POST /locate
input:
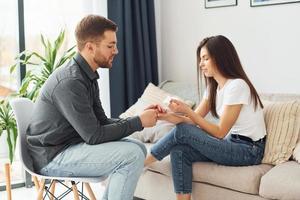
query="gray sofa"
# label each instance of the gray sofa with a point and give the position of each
(216, 182)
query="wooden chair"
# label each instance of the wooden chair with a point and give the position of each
(7, 180)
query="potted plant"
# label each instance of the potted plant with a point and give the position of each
(8, 128)
(32, 83)
(44, 66)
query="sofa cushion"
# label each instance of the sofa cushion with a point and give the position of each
(296, 152)
(282, 182)
(243, 179)
(283, 125)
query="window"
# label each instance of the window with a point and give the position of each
(8, 45)
(47, 17)
(50, 17)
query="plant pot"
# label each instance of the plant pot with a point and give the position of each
(4, 152)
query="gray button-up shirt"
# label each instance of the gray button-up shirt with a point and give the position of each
(68, 111)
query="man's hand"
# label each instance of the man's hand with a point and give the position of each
(149, 117)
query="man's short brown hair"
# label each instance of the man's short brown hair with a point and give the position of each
(92, 27)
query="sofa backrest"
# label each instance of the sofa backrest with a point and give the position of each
(188, 91)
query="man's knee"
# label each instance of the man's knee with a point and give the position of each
(137, 143)
(134, 153)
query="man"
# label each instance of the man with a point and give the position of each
(70, 135)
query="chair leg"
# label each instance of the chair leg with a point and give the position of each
(75, 191)
(41, 190)
(90, 191)
(52, 189)
(7, 177)
(36, 183)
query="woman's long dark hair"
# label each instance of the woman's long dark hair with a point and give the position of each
(223, 53)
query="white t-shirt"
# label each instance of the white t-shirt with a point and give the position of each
(250, 122)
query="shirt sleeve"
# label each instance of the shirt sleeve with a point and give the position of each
(237, 92)
(71, 97)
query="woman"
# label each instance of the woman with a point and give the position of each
(239, 137)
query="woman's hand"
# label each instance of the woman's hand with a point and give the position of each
(171, 117)
(157, 107)
(177, 106)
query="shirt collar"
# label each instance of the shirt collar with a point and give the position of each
(85, 67)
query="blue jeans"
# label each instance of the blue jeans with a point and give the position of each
(187, 144)
(122, 161)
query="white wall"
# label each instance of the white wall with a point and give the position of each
(99, 7)
(103, 73)
(267, 39)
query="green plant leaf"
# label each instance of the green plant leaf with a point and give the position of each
(49, 52)
(39, 56)
(43, 41)
(64, 59)
(15, 134)
(12, 68)
(57, 44)
(10, 146)
(66, 56)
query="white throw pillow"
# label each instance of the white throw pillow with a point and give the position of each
(152, 95)
(283, 125)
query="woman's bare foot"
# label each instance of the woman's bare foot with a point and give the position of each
(149, 159)
(183, 196)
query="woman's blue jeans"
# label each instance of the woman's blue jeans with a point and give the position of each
(188, 144)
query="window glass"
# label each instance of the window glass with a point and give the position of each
(8, 83)
(8, 45)
(49, 19)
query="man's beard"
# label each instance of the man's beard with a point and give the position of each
(102, 64)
